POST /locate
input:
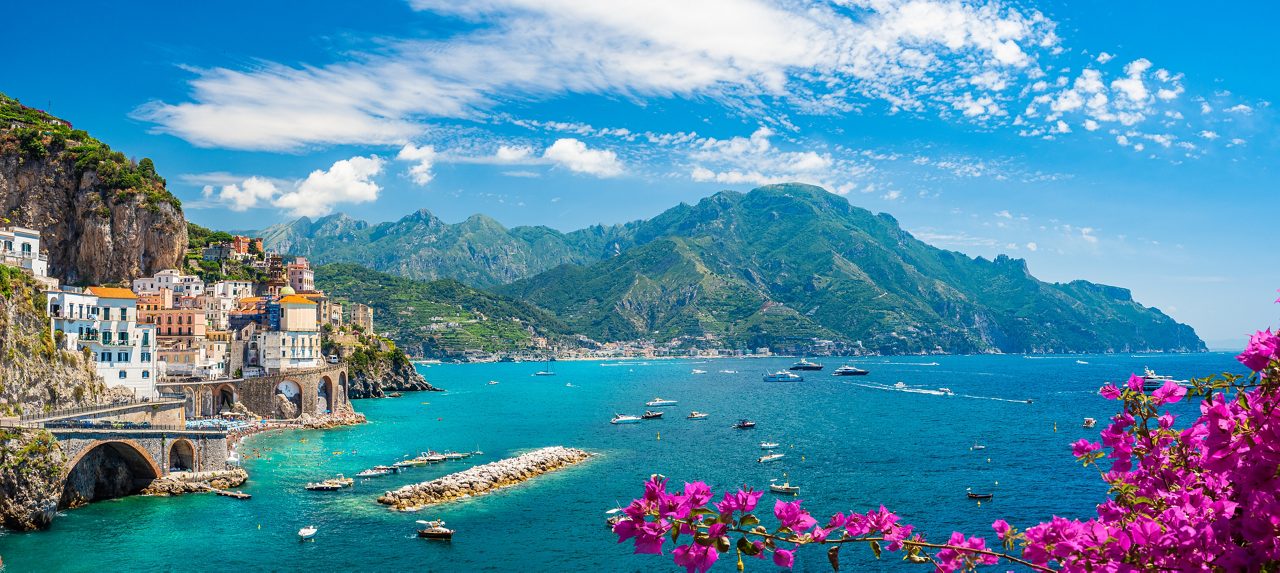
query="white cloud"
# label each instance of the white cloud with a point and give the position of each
(423, 159)
(1086, 233)
(513, 153)
(244, 195)
(1132, 85)
(1104, 58)
(1004, 214)
(892, 195)
(575, 155)
(1209, 134)
(346, 181)
(1032, 247)
(1091, 125)
(1240, 108)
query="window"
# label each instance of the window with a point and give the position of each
(106, 313)
(146, 357)
(146, 374)
(122, 356)
(26, 248)
(105, 357)
(124, 337)
(106, 337)
(124, 314)
(123, 375)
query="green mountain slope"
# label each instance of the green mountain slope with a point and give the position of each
(439, 318)
(478, 251)
(723, 266)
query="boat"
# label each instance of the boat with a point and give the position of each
(391, 469)
(651, 415)
(696, 371)
(783, 376)
(615, 517)
(307, 532)
(744, 424)
(322, 486)
(728, 371)
(342, 481)
(972, 495)
(568, 384)
(696, 415)
(977, 446)
(624, 419)
(549, 371)
(439, 532)
(768, 445)
(784, 488)
(946, 391)
(431, 457)
(452, 455)
(493, 383)
(477, 452)
(804, 364)
(373, 473)
(900, 385)
(431, 523)
(848, 370)
(394, 395)
(1081, 362)
(770, 458)
(1089, 422)
(660, 402)
(1153, 381)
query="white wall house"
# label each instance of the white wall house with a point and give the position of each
(104, 320)
(180, 284)
(20, 247)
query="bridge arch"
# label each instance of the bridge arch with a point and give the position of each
(182, 455)
(288, 398)
(326, 393)
(106, 469)
(225, 398)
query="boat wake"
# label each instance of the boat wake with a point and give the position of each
(624, 363)
(931, 392)
(908, 363)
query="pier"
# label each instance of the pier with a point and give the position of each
(483, 479)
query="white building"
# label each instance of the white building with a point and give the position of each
(180, 284)
(20, 247)
(104, 320)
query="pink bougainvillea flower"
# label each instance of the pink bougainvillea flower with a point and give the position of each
(1080, 448)
(784, 558)
(1169, 393)
(742, 500)
(1109, 392)
(1135, 382)
(1002, 527)
(792, 517)
(694, 557)
(1263, 347)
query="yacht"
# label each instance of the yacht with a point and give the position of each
(783, 376)
(436, 532)
(770, 458)
(549, 371)
(322, 486)
(1152, 381)
(624, 419)
(768, 445)
(696, 415)
(660, 402)
(651, 415)
(848, 370)
(452, 455)
(804, 364)
(744, 424)
(373, 473)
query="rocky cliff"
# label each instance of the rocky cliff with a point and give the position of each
(102, 217)
(376, 367)
(30, 466)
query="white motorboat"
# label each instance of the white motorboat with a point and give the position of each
(900, 385)
(696, 415)
(1081, 362)
(660, 402)
(728, 371)
(373, 473)
(768, 445)
(624, 419)
(976, 446)
(452, 455)
(1089, 422)
(946, 391)
(783, 488)
(783, 376)
(696, 371)
(493, 382)
(307, 532)
(770, 458)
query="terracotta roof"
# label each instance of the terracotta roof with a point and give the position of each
(112, 292)
(251, 299)
(296, 299)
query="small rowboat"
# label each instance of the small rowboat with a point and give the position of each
(972, 495)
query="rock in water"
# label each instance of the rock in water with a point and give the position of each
(30, 467)
(483, 479)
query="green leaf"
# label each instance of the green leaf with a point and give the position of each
(833, 557)
(875, 548)
(747, 548)
(722, 544)
(702, 539)
(748, 519)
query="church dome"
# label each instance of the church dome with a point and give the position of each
(286, 291)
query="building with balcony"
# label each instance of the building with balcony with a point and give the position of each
(104, 322)
(20, 247)
(301, 277)
(362, 316)
(180, 284)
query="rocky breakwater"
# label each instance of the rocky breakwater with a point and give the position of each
(483, 479)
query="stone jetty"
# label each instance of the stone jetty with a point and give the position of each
(482, 479)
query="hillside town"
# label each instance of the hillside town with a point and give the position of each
(174, 327)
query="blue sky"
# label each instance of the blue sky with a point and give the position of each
(1130, 143)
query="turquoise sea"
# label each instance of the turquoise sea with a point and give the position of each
(850, 444)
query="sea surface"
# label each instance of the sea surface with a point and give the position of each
(850, 443)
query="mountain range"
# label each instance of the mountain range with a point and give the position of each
(778, 266)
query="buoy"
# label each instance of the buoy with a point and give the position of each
(659, 436)
(1055, 427)
(988, 460)
(802, 458)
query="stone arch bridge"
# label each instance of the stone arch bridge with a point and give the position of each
(284, 396)
(107, 463)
